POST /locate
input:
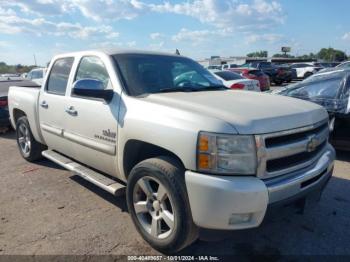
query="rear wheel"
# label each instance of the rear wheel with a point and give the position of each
(278, 82)
(158, 204)
(30, 149)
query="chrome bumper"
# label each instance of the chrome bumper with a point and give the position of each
(237, 202)
(281, 188)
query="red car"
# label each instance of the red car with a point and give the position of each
(253, 73)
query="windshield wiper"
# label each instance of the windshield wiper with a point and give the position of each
(192, 88)
(177, 89)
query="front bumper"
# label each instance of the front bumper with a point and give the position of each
(237, 202)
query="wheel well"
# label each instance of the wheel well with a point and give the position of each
(136, 151)
(17, 114)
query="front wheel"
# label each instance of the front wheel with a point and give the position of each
(307, 74)
(30, 149)
(158, 204)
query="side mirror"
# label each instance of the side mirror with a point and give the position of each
(92, 88)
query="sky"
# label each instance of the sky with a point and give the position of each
(198, 28)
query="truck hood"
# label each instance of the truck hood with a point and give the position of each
(248, 112)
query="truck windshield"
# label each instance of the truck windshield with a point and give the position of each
(147, 74)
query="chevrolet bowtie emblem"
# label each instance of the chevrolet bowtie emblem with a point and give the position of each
(312, 143)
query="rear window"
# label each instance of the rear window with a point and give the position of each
(57, 81)
(228, 76)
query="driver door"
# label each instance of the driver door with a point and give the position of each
(92, 124)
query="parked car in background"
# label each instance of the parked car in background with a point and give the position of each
(326, 64)
(343, 65)
(37, 75)
(4, 113)
(10, 77)
(229, 66)
(214, 67)
(304, 70)
(236, 81)
(277, 74)
(256, 74)
(330, 90)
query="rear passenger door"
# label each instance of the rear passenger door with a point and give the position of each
(52, 104)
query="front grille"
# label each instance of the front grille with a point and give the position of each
(287, 151)
(290, 161)
(291, 138)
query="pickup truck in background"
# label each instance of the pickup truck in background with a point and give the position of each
(191, 153)
(277, 74)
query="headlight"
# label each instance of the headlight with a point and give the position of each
(226, 154)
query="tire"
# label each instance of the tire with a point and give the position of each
(170, 235)
(278, 82)
(307, 74)
(29, 148)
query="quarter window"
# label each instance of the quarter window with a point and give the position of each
(57, 81)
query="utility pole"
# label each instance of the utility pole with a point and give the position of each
(34, 59)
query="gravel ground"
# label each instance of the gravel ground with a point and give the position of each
(45, 210)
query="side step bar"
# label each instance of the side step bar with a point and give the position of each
(88, 174)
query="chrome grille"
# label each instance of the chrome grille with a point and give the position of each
(287, 151)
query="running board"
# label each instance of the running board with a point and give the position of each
(88, 174)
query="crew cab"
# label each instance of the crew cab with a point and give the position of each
(191, 153)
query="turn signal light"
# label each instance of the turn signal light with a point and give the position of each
(204, 161)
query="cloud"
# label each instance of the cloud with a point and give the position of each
(346, 36)
(155, 36)
(195, 37)
(157, 46)
(13, 24)
(227, 13)
(4, 44)
(109, 9)
(223, 13)
(270, 38)
(39, 7)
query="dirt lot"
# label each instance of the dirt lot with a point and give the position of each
(46, 210)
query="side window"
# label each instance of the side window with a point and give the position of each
(92, 67)
(57, 81)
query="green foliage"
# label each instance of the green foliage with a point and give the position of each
(331, 54)
(258, 54)
(11, 69)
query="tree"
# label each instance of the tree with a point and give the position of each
(4, 68)
(258, 54)
(331, 54)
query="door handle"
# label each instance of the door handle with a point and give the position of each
(72, 111)
(44, 104)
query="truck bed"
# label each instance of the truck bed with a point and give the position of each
(5, 85)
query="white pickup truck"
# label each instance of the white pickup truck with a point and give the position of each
(191, 153)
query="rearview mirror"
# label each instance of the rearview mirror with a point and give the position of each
(92, 88)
